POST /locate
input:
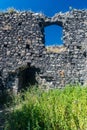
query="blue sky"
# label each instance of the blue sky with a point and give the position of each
(49, 8)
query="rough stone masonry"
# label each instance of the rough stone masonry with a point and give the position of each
(24, 59)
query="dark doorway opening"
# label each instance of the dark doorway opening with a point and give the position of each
(53, 35)
(27, 78)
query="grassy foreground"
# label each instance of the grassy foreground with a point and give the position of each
(56, 109)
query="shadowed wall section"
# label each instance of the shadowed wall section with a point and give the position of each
(27, 78)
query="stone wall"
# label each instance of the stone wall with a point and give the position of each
(23, 51)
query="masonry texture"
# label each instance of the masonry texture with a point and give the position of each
(24, 58)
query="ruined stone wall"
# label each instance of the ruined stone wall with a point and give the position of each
(22, 46)
(21, 38)
(70, 66)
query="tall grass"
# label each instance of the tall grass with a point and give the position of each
(56, 109)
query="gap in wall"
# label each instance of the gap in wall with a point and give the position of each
(27, 77)
(53, 35)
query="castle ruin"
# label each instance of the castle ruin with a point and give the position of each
(24, 59)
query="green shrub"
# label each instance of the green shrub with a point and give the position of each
(11, 10)
(56, 109)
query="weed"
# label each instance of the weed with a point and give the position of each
(56, 109)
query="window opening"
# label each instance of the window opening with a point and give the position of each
(53, 35)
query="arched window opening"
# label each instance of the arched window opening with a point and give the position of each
(53, 35)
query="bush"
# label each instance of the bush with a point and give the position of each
(11, 10)
(56, 109)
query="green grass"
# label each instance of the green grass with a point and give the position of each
(56, 109)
